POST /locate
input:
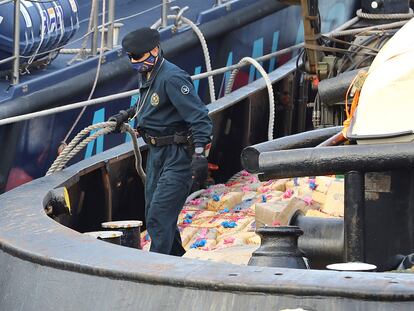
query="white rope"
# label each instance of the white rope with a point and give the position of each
(103, 128)
(265, 76)
(204, 47)
(363, 15)
(335, 33)
(356, 31)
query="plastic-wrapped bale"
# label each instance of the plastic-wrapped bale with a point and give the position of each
(249, 195)
(241, 223)
(187, 233)
(322, 184)
(204, 238)
(228, 201)
(239, 255)
(197, 204)
(273, 185)
(272, 196)
(334, 204)
(239, 238)
(280, 213)
(198, 219)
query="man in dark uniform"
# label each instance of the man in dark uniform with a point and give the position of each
(169, 114)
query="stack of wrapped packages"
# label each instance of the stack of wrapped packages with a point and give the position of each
(220, 224)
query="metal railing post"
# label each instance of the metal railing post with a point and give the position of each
(111, 18)
(219, 2)
(16, 45)
(94, 44)
(164, 12)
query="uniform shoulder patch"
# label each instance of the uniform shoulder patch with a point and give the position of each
(185, 89)
(155, 99)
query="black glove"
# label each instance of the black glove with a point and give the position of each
(199, 167)
(120, 118)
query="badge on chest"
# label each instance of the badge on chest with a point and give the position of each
(155, 99)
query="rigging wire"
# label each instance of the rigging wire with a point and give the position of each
(95, 82)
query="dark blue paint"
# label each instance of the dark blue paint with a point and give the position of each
(35, 155)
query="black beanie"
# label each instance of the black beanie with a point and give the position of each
(141, 41)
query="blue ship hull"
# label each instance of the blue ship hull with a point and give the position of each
(32, 145)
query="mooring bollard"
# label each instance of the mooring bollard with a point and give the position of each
(279, 248)
(131, 231)
(113, 237)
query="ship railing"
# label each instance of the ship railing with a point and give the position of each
(16, 42)
(100, 100)
(204, 75)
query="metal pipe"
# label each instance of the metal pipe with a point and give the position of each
(111, 18)
(8, 59)
(164, 12)
(333, 90)
(250, 155)
(332, 160)
(16, 44)
(81, 104)
(354, 217)
(94, 43)
(322, 239)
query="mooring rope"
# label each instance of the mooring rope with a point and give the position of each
(204, 47)
(265, 76)
(363, 15)
(103, 128)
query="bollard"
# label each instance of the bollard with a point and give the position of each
(279, 248)
(131, 231)
(113, 237)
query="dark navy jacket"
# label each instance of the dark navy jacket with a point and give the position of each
(172, 104)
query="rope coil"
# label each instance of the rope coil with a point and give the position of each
(103, 128)
(363, 15)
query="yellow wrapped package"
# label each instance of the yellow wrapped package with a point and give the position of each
(334, 204)
(203, 238)
(199, 219)
(322, 185)
(229, 201)
(187, 233)
(239, 255)
(226, 228)
(239, 238)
